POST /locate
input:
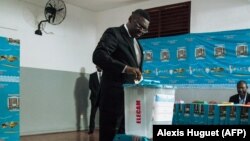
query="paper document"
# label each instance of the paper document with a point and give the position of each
(139, 81)
(163, 107)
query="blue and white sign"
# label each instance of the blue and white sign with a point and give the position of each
(216, 59)
(9, 89)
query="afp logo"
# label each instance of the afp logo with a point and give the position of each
(234, 132)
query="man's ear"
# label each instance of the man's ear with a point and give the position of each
(130, 19)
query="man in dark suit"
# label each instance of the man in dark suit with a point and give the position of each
(242, 97)
(94, 85)
(120, 56)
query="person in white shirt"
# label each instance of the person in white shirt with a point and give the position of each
(242, 97)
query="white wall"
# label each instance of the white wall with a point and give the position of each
(68, 49)
(206, 16)
(219, 15)
(70, 46)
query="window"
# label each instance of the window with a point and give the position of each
(169, 20)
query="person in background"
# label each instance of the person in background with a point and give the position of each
(94, 85)
(120, 56)
(81, 93)
(242, 97)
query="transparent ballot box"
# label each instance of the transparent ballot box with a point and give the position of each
(146, 105)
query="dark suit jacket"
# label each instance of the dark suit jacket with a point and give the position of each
(235, 99)
(94, 86)
(114, 51)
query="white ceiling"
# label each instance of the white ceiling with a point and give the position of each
(93, 5)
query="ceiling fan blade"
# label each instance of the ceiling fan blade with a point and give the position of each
(54, 17)
(60, 9)
(50, 5)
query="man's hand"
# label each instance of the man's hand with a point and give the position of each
(135, 71)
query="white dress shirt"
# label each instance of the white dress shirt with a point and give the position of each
(99, 74)
(136, 48)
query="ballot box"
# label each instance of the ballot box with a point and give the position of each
(147, 105)
(245, 114)
(233, 114)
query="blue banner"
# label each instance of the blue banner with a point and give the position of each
(216, 59)
(9, 89)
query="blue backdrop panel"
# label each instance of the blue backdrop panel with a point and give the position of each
(217, 59)
(9, 89)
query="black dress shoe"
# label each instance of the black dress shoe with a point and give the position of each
(90, 132)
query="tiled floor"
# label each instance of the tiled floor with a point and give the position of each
(65, 136)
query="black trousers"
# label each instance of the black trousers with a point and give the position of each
(94, 108)
(111, 123)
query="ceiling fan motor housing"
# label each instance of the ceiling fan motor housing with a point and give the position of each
(51, 12)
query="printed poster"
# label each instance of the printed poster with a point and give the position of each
(198, 60)
(9, 89)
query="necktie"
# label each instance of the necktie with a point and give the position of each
(137, 51)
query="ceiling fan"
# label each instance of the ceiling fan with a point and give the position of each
(55, 13)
